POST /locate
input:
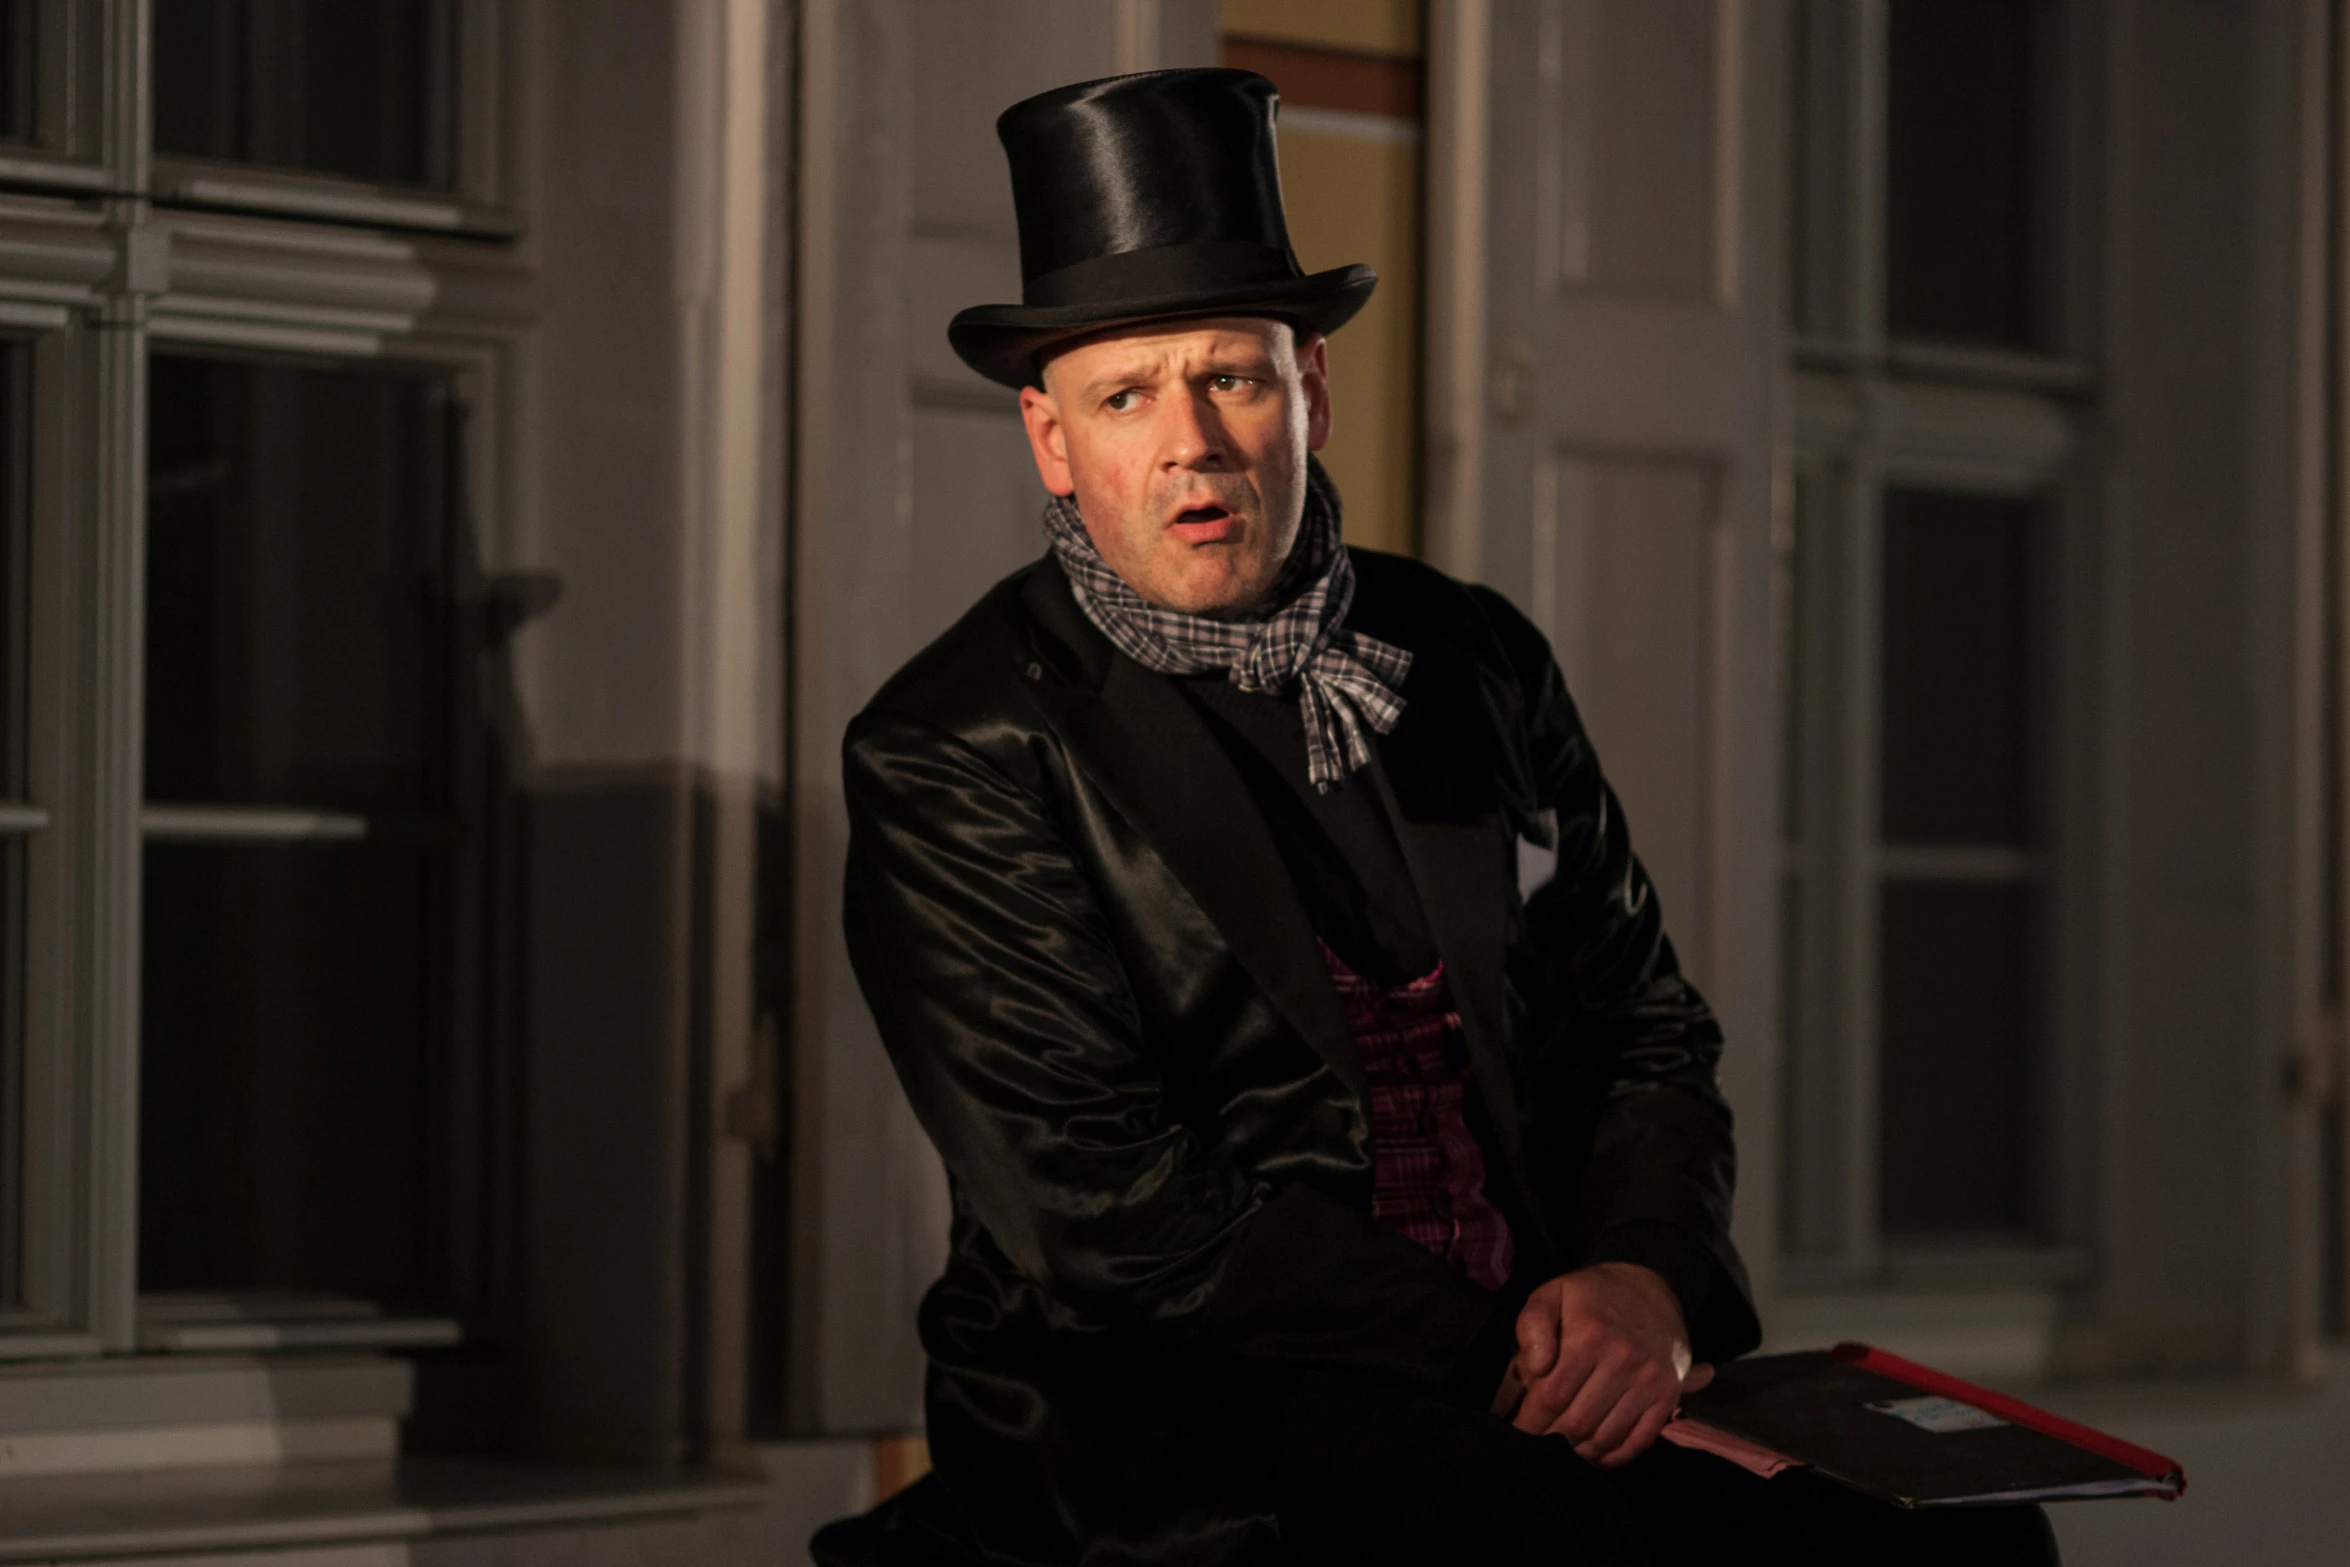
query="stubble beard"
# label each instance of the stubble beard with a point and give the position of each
(1267, 543)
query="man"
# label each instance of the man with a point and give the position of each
(1317, 1197)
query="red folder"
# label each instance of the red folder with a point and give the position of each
(1907, 1433)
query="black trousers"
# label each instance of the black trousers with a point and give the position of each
(1375, 1474)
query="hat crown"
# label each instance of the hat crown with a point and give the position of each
(1132, 163)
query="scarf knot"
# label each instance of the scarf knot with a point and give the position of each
(1347, 684)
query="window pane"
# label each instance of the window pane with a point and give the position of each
(18, 58)
(1808, 520)
(297, 617)
(1967, 151)
(1819, 161)
(1805, 1140)
(1959, 1008)
(290, 1013)
(357, 88)
(1962, 669)
(299, 1016)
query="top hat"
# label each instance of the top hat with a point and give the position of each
(1142, 198)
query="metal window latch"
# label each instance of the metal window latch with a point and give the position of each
(749, 1111)
(2313, 1068)
(1512, 390)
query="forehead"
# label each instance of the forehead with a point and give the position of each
(1165, 345)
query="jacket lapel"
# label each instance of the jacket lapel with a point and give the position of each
(1139, 738)
(1435, 774)
(1464, 886)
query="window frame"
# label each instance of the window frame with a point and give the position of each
(61, 1269)
(72, 143)
(1873, 411)
(475, 1210)
(94, 274)
(480, 200)
(2017, 446)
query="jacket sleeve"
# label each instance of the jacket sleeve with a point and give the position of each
(1622, 1025)
(981, 948)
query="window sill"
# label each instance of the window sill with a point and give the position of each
(61, 1518)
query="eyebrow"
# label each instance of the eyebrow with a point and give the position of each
(1256, 368)
(1112, 380)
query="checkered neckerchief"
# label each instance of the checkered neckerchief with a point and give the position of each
(1344, 679)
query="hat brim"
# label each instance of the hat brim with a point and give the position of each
(1006, 343)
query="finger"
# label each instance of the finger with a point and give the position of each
(1548, 1397)
(1645, 1387)
(1539, 1409)
(1699, 1375)
(1609, 1382)
(1509, 1394)
(1643, 1437)
(1538, 1339)
(1567, 1379)
(1613, 1427)
(1639, 1400)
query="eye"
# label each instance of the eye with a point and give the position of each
(1119, 402)
(1228, 383)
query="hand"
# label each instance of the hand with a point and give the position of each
(1604, 1357)
(1510, 1394)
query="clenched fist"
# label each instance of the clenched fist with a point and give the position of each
(1603, 1359)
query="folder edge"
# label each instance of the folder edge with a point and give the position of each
(2168, 1471)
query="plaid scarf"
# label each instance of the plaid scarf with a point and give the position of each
(1344, 680)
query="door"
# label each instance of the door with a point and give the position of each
(1603, 411)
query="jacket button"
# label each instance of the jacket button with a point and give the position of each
(1036, 671)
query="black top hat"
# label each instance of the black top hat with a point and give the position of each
(1140, 198)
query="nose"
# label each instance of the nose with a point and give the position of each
(1192, 436)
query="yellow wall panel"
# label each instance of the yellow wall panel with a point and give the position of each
(1391, 27)
(1358, 199)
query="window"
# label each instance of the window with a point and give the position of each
(1924, 617)
(16, 70)
(1958, 911)
(360, 89)
(249, 808)
(306, 830)
(369, 110)
(1968, 171)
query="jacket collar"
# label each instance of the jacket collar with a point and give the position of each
(1152, 753)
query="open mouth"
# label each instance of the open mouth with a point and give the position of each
(1203, 524)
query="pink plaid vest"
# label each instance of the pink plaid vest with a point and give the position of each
(1428, 1173)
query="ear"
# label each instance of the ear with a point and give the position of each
(1313, 375)
(1048, 440)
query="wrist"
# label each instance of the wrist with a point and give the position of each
(1640, 1276)
(1686, 1264)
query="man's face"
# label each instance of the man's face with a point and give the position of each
(1185, 444)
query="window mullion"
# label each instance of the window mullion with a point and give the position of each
(110, 787)
(1866, 209)
(1860, 722)
(125, 69)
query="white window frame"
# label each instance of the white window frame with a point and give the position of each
(58, 1269)
(1873, 412)
(71, 144)
(94, 275)
(480, 200)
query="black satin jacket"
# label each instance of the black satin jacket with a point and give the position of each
(1111, 1015)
